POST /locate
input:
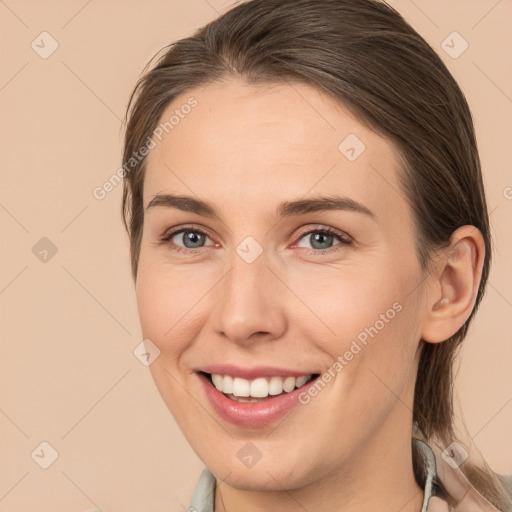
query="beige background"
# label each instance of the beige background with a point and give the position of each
(68, 375)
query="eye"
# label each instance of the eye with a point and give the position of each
(321, 239)
(190, 236)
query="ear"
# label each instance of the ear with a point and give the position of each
(453, 294)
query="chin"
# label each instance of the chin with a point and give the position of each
(264, 479)
(267, 474)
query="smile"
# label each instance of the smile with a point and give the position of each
(253, 402)
(243, 390)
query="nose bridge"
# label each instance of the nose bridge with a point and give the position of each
(248, 302)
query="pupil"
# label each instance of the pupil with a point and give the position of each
(318, 237)
(194, 238)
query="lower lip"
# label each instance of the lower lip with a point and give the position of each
(251, 414)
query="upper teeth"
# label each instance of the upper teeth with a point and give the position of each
(258, 388)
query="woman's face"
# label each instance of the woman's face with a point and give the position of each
(254, 290)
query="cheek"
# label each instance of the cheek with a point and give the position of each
(373, 368)
(162, 300)
(153, 305)
(351, 300)
(372, 321)
(165, 293)
(377, 357)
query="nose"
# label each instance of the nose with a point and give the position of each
(250, 302)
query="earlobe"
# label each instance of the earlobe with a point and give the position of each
(455, 289)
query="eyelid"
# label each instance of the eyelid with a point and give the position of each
(344, 237)
(172, 232)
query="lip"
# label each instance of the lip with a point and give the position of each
(252, 373)
(251, 414)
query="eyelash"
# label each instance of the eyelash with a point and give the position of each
(342, 237)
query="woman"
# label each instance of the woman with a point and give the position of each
(310, 241)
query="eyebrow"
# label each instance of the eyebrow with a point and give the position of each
(285, 209)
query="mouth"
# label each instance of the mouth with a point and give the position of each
(258, 389)
(254, 402)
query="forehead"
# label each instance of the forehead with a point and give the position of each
(244, 146)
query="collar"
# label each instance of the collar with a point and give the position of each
(439, 480)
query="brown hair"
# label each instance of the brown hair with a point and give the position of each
(365, 55)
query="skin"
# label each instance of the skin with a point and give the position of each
(245, 149)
